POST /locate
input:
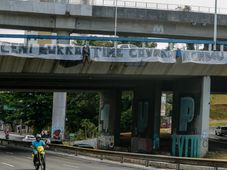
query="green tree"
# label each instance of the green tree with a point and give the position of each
(126, 114)
(34, 108)
(169, 104)
(81, 105)
(88, 130)
(111, 43)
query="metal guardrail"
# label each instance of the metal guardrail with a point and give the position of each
(122, 156)
(107, 38)
(139, 4)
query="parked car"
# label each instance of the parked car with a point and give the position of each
(89, 143)
(126, 46)
(28, 138)
(221, 130)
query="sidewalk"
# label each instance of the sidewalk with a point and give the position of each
(12, 136)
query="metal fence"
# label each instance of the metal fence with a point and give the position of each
(139, 4)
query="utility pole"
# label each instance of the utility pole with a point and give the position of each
(215, 26)
(21, 123)
(115, 27)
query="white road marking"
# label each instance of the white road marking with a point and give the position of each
(29, 158)
(71, 166)
(8, 164)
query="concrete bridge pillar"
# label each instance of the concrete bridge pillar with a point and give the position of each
(59, 107)
(191, 107)
(58, 116)
(146, 118)
(109, 119)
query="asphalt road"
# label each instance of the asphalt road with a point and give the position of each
(13, 159)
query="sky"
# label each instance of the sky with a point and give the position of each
(206, 3)
(203, 3)
(8, 31)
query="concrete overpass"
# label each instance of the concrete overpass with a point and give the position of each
(82, 18)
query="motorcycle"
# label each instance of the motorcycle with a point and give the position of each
(40, 163)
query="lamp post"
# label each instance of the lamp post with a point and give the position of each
(21, 124)
(115, 27)
(215, 26)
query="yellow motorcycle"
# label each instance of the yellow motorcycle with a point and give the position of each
(40, 163)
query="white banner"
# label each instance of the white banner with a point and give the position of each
(204, 57)
(58, 52)
(100, 54)
(107, 54)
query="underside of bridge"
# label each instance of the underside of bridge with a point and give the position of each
(191, 96)
(71, 82)
(189, 83)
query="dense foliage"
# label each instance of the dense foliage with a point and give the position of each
(81, 105)
(126, 113)
(35, 109)
(111, 43)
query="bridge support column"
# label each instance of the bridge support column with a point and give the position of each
(109, 119)
(58, 116)
(146, 110)
(191, 117)
(202, 121)
(59, 107)
(156, 117)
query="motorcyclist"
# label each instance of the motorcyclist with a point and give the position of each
(35, 144)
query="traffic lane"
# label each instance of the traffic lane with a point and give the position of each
(11, 159)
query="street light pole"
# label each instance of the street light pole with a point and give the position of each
(215, 26)
(115, 27)
(21, 123)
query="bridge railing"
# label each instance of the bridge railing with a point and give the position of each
(159, 6)
(139, 4)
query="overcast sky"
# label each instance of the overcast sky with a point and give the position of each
(207, 3)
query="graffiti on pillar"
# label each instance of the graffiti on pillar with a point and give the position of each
(186, 145)
(143, 145)
(105, 142)
(143, 109)
(104, 118)
(205, 136)
(57, 133)
(187, 109)
(156, 141)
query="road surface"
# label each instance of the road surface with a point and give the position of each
(13, 159)
(12, 136)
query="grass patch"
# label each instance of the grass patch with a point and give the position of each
(215, 123)
(217, 155)
(218, 112)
